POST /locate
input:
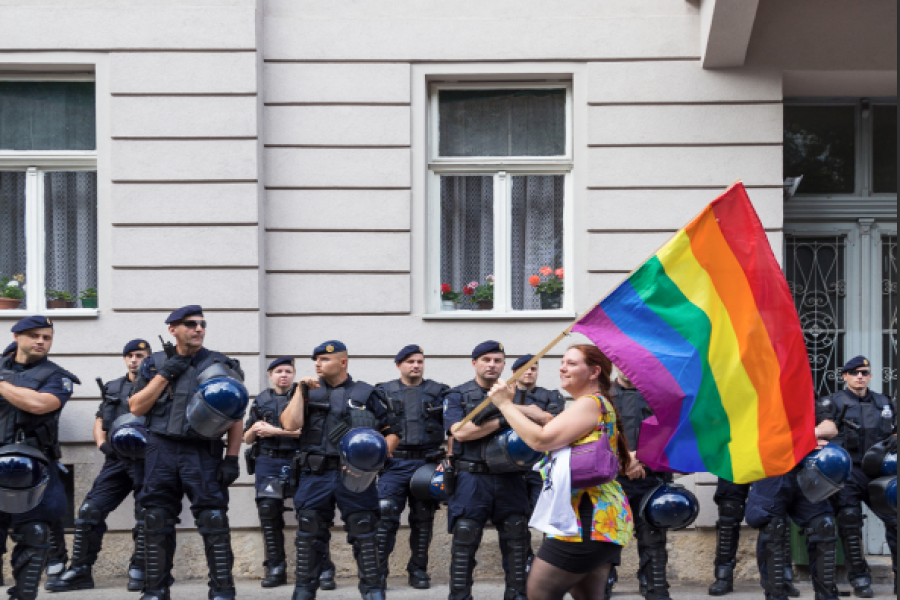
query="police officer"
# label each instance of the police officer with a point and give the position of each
(418, 402)
(118, 478)
(273, 448)
(180, 461)
(540, 405)
(731, 498)
(770, 503)
(479, 494)
(336, 404)
(864, 418)
(33, 392)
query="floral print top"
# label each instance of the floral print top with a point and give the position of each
(613, 519)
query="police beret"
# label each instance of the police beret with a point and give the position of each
(329, 347)
(855, 363)
(284, 360)
(184, 312)
(33, 322)
(135, 346)
(14, 347)
(522, 361)
(407, 352)
(486, 348)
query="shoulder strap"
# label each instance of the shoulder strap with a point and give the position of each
(360, 392)
(432, 387)
(391, 386)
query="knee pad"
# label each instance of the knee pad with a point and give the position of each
(310, 523)
(159, 520)
(390, 510)
(466, 532)
(515, 527)
(850, 516)
(774, 530)
(89, 513)
(34, 533)
(269, 508)
(361, 523)
(212, 521)
(650, 536)
(138, 513)
(732, 509)
(822, 530)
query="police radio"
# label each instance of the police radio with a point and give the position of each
(168, 347)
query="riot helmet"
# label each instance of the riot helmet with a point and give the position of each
(427, 484)
(889, 467)
(507, 453)
(670, 507)
(824, 472)
(218, 403)
(883, 495)
(128, 436)
(873, 460)
(363, 453)
(24, 476)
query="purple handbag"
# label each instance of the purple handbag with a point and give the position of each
(593, 464)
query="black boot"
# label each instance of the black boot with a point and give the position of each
(159, 536)
(789, 586)
(421, 528)
(515, 541)
(362, 528)
(654, 562)
(728, 535)
(85, 548)
(611, 581)
(466, 539)
(310, 543)
(213, 526)
(58, 557)
(770, 554)
(326, 579)
(821, 538)
(386, 536)
(272, 524)
(139, 558)
(850, 522)
(29, 558)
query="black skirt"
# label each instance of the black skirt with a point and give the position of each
(585, 556)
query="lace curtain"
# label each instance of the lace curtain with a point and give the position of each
(70, 223)
(467, 230)
(12, 223)
(537, 233)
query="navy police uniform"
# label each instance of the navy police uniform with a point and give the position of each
(119, 477)
(180, 462)
(331, 412)
(420, 419)
(862, 423)
(32, 529)
(480, 495)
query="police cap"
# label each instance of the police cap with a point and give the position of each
(407, 352)
(12, 348)
(184, 312)
(136, 346)
(284, 360)
(855, 363)
(32, 322)
(520, 362)
(487, 348)
(329, 347)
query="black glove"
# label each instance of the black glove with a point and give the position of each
(175, 366)
(106, 449)
(228, 472)
(491, 412)
(504, 424)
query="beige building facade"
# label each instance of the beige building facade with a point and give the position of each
(309, 171)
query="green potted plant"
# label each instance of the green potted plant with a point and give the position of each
(449, 298)
(549, 286)
(482, 295)
(88, 298)
(12, 291)
(59, 299)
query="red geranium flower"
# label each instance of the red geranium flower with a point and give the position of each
(546, 271)
(445, 288)
(468, 291)
(534, 280)
(560, 273)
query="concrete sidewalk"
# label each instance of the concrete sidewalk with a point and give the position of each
(397, 590)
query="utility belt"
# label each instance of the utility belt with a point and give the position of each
(435, 454)
(277, 454)
(214, 447)
(314, 463)
(477, 468)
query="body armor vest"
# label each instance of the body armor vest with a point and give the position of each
(268, 408)
(40, 431)
(472, 396)
(115, 401)
(168, 416)
(328, 417)
(547, 400)
(862, 422)
(421, 412)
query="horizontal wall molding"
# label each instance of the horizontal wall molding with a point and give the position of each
(213, 224)
(363, 188)
(325, 314)
(701, 145)
(186, 268)
(185, 138)
(334, 272)
(123, 50)
(182, 95)
(481, 61)
(342, 147)
(278, 230)
(171, 308)
(336, 104)
(180, 181)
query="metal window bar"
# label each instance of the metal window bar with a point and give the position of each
(889, 314)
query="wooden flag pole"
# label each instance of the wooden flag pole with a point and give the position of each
(568, 330)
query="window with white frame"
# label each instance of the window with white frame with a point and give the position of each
(500, 162)
(48, 196)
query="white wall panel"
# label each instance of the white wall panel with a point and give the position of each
(184, 246)
(669, 209)
(183, 116)
(219, 288)
(685, 124)
(321, 167)
(684, 166)
(622, 251)
(337, 251)
(338, 209)
(337, 125)
(337, 83)
(217, 160)
(184, 203)
(679, 81)
(183, 73)
(76, 422)
(331, 293)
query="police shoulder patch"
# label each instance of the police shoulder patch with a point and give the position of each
(67, 384)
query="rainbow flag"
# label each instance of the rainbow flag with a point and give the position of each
(706, 329)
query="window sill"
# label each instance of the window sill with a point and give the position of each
(53, 313)
(486, 315)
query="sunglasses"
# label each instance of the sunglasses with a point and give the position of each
(194, 324)
(863, 372)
